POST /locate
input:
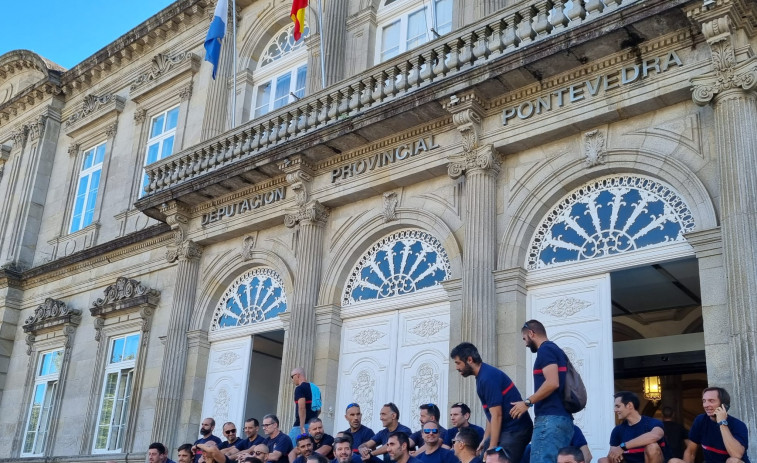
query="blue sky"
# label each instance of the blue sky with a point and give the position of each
(68, 31)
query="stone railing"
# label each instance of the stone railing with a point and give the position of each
(508, 30)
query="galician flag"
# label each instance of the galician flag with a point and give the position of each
(215, 33)
(298, 16)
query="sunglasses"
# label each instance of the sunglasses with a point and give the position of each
(258, 452)
(230, 431)
(265, 425)
(352, 405)
(304, 434)
(431, 431)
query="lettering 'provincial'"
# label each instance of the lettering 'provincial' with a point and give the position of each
(246, 205)
(384, 158)
(591, 87)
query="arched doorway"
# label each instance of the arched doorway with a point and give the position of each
(613, 251)
(246, 341)
(395, 335)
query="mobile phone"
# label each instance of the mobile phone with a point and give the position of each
(725, 407)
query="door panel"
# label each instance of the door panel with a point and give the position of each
(577, 315)
(398, 356)
(423, 362)
(366, 366)
(226, 382)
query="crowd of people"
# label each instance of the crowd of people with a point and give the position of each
(510, 435)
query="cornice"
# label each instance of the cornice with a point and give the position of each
(156, 31)
(31, 97)
(92, 109)
(163, 68)
(116, 249)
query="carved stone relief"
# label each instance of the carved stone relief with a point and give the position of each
(248, 247)
(367, 337)
(162, 64)
(425, 388)
(390, 206)
(594, 148)
(565, 307)
(428, 328)
(362, 392)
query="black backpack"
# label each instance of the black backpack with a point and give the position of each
(574, 391)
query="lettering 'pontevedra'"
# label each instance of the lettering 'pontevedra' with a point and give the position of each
(591, 87)
(246, 205)
(384, 158)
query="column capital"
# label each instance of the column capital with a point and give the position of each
(187, 250)
(313, 212)
(734, 65)
(484, 158)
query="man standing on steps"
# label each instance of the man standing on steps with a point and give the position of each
(553, 427)
(496, 391)
(303, 404)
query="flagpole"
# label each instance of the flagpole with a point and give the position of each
(234, 45)
(323, 57)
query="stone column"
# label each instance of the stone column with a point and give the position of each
(299, 341)
(11, 295)
(198, 351)
(171, 386)
(334, 36)
(731, 89)
(480, 166)
(216, 119)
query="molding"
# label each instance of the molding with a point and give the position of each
(162, 69)
(313, 211)
(123, 297)
(706, 243)
(50, 315)
(93, 108)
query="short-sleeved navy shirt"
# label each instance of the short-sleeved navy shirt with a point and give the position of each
(496, 389)
(550, 354)
(706, 433)
(239, 444)
(202, 440)
(417, 436)
(281, 443)
(579, 440)
(382, 437)
(364, 434)
(303, 391)
(439, 455)
(248, 444)
(452, 432)
(624, 433)
(326, 440)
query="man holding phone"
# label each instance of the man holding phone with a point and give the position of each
(723, 438)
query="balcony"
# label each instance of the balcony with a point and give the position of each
(519, 45)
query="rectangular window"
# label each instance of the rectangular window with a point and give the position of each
(416, 29)
(390, 41)
(161, 141)
(278, 91)
(116, 394)
(87, 187)
(443, 16)
(43, 400)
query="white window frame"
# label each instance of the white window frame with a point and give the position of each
(400, 11)
(123, 369)
(159, 140)
(269, 72)
(87, 174)
(51, 382)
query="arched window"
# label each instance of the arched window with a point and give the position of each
(401, 263)
(406, 24)
(610, 216)
(256, 296)
(281, 73)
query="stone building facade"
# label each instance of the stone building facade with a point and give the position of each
(464, 167)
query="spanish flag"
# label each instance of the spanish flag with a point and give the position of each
(298, 16)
